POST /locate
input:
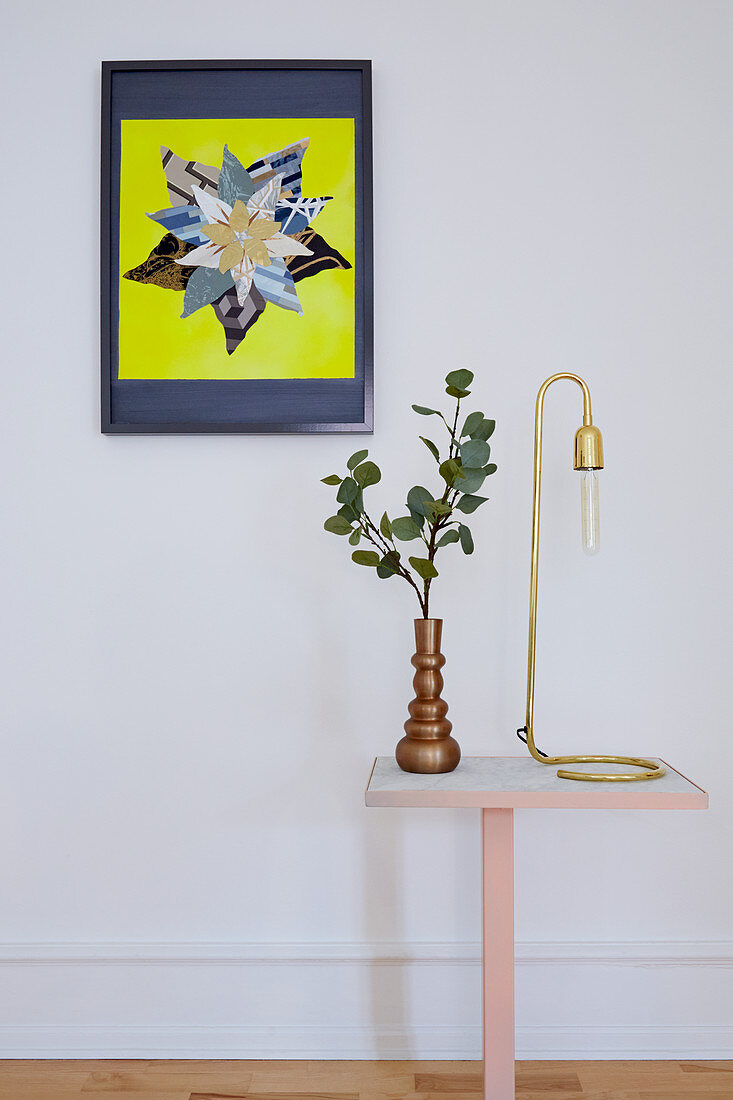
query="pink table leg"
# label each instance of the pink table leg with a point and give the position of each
(497, 827)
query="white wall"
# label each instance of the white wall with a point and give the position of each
(195, 678)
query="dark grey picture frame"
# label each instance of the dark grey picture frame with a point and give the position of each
(233, 406)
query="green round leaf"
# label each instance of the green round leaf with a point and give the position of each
(365, 557)
(471, 480)
(385, 526)
(424, 567)
(475, 452)
(449, 470)
(447, 538)
(466, 538)
(368, 473)
(356, 458)
(469, 504)
(484, 430)
(425, 412)
(431, 447)
(405, 529)
(337, 525)
(437, 508)
(355, 537)
(461, 379)
(348, 513)
(417, 498)
(388, 565)
(454, 391)
(490, 469)
(348, 491)
(332, 479)
(472, 421)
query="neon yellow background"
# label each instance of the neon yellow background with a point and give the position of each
(154, 342)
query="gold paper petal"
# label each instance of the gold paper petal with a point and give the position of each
(219, 234)
(257, 252)
(262, 228)
(232, 255)
(239, 217)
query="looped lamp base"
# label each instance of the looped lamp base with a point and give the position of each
(651, 770)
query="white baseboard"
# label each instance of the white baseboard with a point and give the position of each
(547, 953)
(327, 1043)
(173, 1000)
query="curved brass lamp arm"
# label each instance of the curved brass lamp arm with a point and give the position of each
(650, 769)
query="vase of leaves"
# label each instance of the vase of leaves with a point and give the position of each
(434, 521)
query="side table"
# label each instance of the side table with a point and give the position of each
(499, 785)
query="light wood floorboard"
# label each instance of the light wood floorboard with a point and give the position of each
(180, 1079)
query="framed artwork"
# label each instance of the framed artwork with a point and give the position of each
(236, 246)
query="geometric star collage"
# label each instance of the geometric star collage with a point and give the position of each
(237, 238)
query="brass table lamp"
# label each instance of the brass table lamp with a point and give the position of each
(588, 460)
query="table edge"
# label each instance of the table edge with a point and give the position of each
(623, 797)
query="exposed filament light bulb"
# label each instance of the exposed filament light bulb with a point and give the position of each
(589, 511)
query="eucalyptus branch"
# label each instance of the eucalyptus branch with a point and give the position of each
(376, 538)
(381, 542)
(468, 454)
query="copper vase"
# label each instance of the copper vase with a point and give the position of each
(428, 746)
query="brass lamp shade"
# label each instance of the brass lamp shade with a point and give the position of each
(588, 451)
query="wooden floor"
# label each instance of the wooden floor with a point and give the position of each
(219, 1080)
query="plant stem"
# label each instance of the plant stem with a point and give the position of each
(377, 539)
(453, 432)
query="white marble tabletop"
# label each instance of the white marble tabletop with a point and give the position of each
(508, 782)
